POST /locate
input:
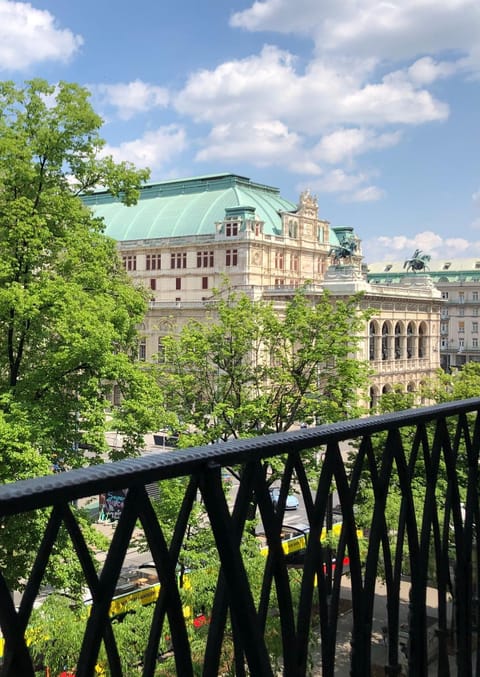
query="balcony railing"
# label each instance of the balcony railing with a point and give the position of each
(428, 457)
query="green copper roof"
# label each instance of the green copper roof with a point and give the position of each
(187, 207)
(440, 270)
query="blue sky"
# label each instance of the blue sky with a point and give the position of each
(373, 106)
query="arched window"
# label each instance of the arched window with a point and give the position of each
(385, 341)
(373, 337)
(398, 333)
(410, 339)
(422, 340)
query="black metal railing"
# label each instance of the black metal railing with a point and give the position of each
(421, 464)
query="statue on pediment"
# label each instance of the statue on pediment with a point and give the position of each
(417, 262)
(344, 250)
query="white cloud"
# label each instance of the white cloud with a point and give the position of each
(29, 36)
(238, 88)
(344, 144)
(325, 94)
(397, 29)
(476, 197)
(131, 98)
(260, 143)
(154, 149)
(367, 194)
(426, 70)
(399, 247)
(350, 187)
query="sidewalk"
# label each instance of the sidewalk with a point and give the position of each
(379, 649)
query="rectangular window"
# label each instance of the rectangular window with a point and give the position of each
(444, 312)
(444, 294)
(204, 282)
(444, 343)
(178, 283)
(279, 260)
(153, 283)
(475, 312)
(142, 350)
(474, 295)
(461, 297)
(475, 343)
(231, 229)
(294, 262)
(461, 312)
(461, 327)
(444, 328)
(475, 327)
(161, 353)
(178, 260)
(130, 262)
(231, 257)
(205, 259)
(153, 261)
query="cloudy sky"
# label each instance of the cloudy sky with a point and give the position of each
(374, 106)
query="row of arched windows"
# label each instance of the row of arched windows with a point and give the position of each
(377, 391)
(390, 340)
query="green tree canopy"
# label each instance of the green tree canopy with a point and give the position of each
(252, 368)
(68, 313)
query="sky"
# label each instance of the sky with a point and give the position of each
(374, 106)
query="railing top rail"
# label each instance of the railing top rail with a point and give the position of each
(41, 492)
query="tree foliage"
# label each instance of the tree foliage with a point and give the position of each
(253, 368)
(68, 312)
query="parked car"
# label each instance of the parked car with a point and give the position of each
(291, 502)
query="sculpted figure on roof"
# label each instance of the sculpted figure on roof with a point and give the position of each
(308, 205)
(417, 262)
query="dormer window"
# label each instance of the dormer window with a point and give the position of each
(388, 267)
(447, 265)
(231, 229)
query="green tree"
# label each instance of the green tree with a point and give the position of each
(251, 368)
(68, 312)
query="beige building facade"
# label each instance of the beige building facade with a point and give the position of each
(184, 238)
(458, 281)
